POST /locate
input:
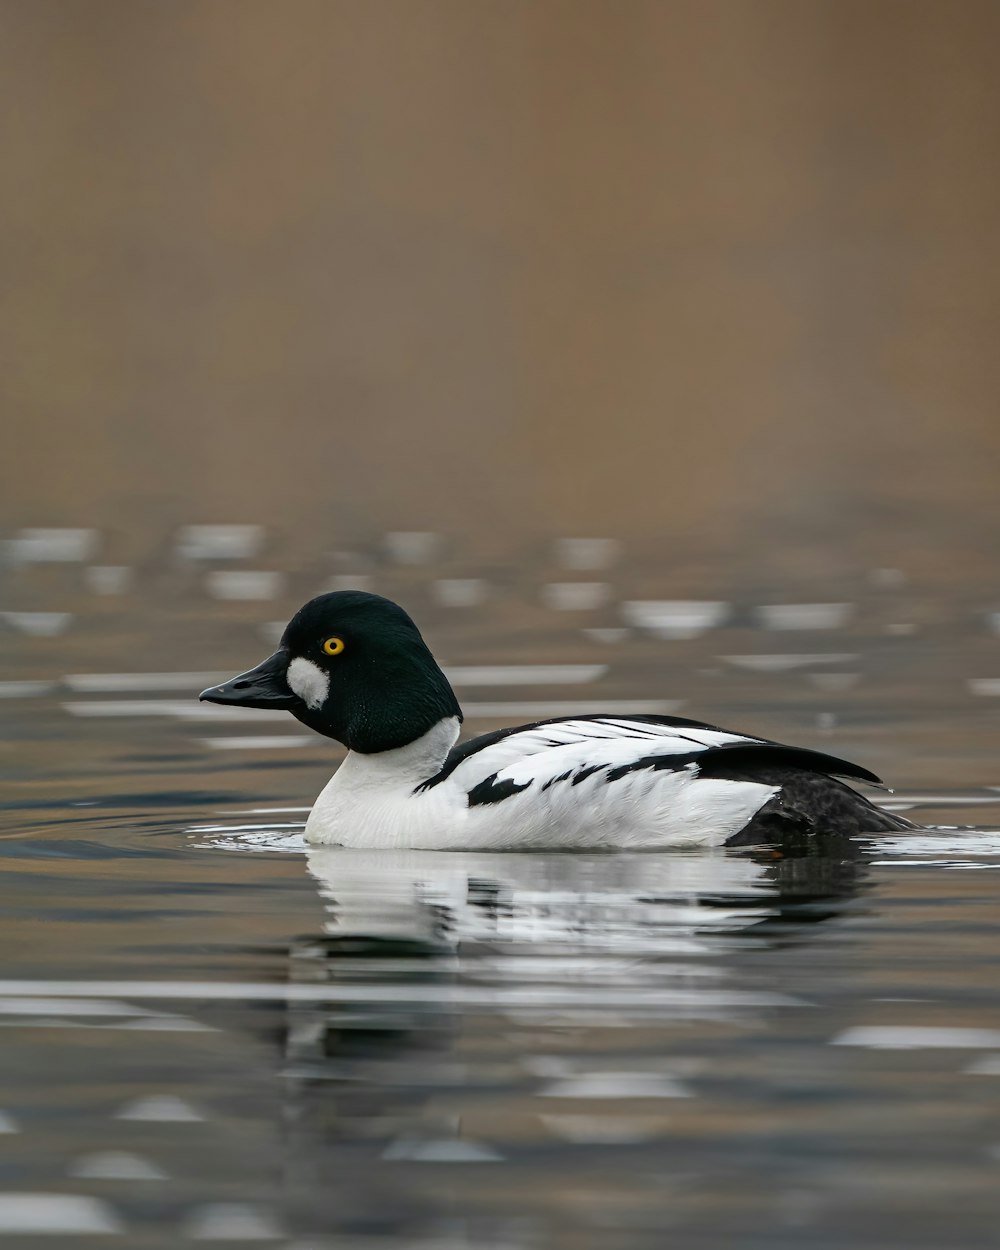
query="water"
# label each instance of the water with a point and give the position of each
(213, 1035)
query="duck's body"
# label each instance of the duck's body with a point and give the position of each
(598, 783)
(354, 667)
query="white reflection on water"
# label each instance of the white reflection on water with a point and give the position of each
(804, 615)
(284, 837)
(40, 1213)
(612, 902)
(786, 661)
(50, 544)
(609, 940)
(160, 1109)
(232, 1222)
(920, 1037)
(219, 542)
(116, 1165)
(941, 848)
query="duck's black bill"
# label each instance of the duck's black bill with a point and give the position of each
(264, 686)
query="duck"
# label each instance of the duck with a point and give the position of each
(354, 667)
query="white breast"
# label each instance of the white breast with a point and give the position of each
(370, 802)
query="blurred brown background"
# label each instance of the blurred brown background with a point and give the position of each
(711, 271)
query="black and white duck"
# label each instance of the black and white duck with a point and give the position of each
(353, 666)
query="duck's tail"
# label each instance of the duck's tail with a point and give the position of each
(811, 804)
(884, 821)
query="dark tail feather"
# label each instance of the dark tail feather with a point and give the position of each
(811, 805)
(888, 822)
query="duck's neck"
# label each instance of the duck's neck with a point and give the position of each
(407, 765)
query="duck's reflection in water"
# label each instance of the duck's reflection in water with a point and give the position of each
(642, 902)
(516, 1009)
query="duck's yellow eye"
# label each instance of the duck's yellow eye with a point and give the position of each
(333, 646)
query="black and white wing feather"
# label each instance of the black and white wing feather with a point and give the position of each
(550, 752)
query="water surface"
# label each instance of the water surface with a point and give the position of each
(213, 1034)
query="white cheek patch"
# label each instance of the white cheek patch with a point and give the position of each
(309, 682)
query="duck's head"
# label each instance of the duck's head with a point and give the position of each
(354, 667)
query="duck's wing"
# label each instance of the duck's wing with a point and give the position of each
(568, 751)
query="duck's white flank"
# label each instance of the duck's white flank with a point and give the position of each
(573, 783)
